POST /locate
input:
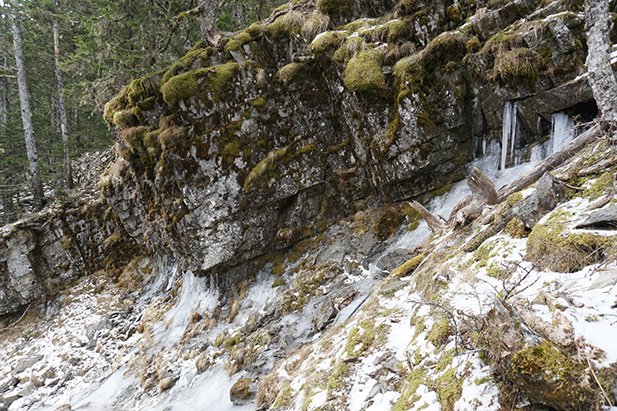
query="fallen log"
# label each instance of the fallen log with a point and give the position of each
(551, 162)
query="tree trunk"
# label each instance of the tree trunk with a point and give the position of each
(207, 21)
(7, 199)
(601, 77)
(26, 113)
(68, 171)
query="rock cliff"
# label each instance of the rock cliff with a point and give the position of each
(254, 223)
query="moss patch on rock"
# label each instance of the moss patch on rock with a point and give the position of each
(408, 267)
(554, 247)
(197, 83)
(553, 377)
(520, 66)
(363, 72)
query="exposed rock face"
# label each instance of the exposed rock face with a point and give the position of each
(301, 120)
(46, 252)
(281, 132)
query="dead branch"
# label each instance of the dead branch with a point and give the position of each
(483, 192)
(435, 222)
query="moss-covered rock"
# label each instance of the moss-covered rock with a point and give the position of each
(551, 245)
(554, 378)
(327, 41)
(363, 73)
(516, 67)
(214, 80)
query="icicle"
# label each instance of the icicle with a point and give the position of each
(562, 131)
(508, 132)
(513, 135)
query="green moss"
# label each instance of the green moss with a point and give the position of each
(118, 102)
(442, 190)
(553, 376)
(391, 131)
(173, 136)
(403, 66)
(449, 388)
(219, 77)
(231, 341)
(496, 271)
(181, 87)
(220, 339)
(338, 147)
(285, 397)
(279, 282)
(336, 380)
(551, 246)
(260, 102)
(408, 267)
(473, 45)
(518, 66)
(449, 46)
(599, 186)
(501, 42)
(419, 324)
(455, 13)
(255, 29)
(239, 40)
(198, 83)
(334, 7)
(440, 332)
(124, 119)
(261, 169)
(484, 252)
(133, 137)
(358, 25)
(362, 338)
(395, 30)
(513, 199)
(232, 150)
(197, 57)
(413, 381)
(288, 73)
(67, 242)
(286, 26)
(363, 72)
(515, 228)
(350, 47)
(327, 42)
(314, 25)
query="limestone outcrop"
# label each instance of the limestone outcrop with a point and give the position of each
(303, 119)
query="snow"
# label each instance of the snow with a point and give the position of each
(209, 391)
(383, 401)
(429, 401)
